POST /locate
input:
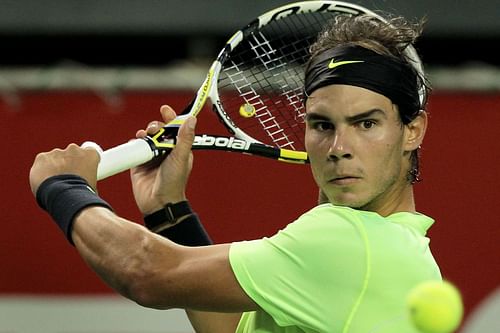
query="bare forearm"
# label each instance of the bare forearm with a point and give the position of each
(120, 252)
(154, 271)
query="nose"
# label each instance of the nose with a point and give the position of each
(340, 147)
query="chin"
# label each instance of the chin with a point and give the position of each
(356, 203)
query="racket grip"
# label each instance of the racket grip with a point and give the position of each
(124, 157)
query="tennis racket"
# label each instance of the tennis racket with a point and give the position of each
(255, 86)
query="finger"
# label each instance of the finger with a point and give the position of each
(167, 113)
(140, 134)
(92, 145)
(185, 137)
(72, 146)
(88, 153)
(95, 154)
(154, 126)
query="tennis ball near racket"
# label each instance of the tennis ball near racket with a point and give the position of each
(435, 307)
(247, 110)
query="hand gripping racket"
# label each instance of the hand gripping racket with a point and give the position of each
(255, 86)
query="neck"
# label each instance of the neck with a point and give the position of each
(398, 200)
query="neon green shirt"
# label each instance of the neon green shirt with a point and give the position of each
(335, 269)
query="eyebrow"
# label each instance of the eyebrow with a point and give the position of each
(351, 119)
(315, 116)
(367, 114)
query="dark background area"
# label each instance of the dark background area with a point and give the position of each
(159, 50)
(151, 32)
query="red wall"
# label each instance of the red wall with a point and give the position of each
(239, 196)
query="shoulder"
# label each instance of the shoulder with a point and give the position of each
(328, 216)
(323, 228)
(328, 210)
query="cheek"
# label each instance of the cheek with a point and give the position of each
(383, 155)
(315, 154)
(312, 144)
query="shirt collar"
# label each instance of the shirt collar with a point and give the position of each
(417, 221)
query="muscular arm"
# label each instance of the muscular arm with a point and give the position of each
(156, 272)
(140, 265)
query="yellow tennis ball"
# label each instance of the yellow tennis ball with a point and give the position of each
(247, 110)
(435, 307)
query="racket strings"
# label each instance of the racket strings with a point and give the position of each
(250, 96)
(266, 71)
(265, 106)
(274, 64)
(285, 78)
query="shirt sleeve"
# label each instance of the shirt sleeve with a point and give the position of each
(296, 275)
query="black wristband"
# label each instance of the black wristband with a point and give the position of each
(178, 223)
(64, 196)
(189, 232)
(167, 216)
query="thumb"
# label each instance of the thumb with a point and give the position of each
(185, 136)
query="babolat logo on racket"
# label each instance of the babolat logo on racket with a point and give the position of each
(220, 141)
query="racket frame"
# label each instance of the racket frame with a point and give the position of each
(119, 158)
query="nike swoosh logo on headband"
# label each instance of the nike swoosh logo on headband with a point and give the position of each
(334, 63)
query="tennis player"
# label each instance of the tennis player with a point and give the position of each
(344, 266)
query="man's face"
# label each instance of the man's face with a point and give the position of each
(355, 141)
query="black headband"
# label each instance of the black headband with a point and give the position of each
(357, 66)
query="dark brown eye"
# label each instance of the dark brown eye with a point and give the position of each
(367, 124)
(323, 126)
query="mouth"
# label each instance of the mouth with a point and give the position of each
(344, 180)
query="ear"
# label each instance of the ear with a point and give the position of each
(415, 132)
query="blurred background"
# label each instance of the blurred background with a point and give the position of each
(72, 71)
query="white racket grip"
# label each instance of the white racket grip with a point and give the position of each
(124, 157)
